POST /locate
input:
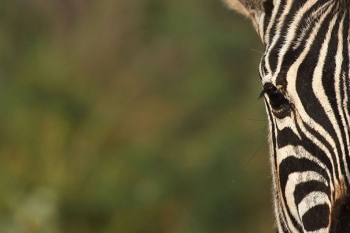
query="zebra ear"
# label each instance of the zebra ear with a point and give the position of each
(253, 9)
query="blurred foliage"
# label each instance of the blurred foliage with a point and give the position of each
(130, 116)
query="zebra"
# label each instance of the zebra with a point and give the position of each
(304, 71)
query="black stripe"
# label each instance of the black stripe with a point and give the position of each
(316, 218)
(303, 189)
(286, 136)
(292, 164)
(314, 150)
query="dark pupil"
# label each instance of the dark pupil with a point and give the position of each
(276, 97)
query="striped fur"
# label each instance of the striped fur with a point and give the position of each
(305, 77)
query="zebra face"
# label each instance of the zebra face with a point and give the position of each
(305, 83)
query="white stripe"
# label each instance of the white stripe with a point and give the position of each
(311, 200)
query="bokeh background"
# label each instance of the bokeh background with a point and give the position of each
(134, 116)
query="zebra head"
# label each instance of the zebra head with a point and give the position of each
(304, 73)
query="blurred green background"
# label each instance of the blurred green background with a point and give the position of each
(131, 117)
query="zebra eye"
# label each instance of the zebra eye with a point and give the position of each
(275, 96)
(280, 105)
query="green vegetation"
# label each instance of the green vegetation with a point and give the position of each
(131, 117)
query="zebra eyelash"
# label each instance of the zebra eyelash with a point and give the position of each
(262, 93)
(266, 89)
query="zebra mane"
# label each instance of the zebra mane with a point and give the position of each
(343, 5)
